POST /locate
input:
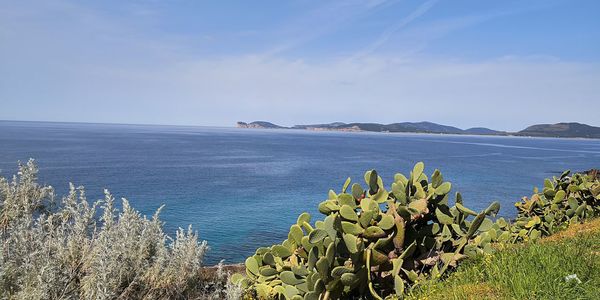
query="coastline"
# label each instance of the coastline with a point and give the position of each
(59, 123)
(409, 133)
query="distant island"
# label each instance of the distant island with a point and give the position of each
(563, 130)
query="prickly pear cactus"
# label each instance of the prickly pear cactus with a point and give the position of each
(563, 201)
(372, 241)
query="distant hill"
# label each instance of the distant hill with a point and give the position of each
(259, 124)
(313, 126)
(418, 127)
(422, 127)
(484, 131)
(569, 130)
(562, 130)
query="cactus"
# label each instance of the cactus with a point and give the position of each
(373, 241)
(563, 200)
(380, 244)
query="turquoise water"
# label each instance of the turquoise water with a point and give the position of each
(243, 188)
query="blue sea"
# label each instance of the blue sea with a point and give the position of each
(243, 188)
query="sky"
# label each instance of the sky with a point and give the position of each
(499, 64)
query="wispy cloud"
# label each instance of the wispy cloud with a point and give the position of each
(324, 20)
(387, 34)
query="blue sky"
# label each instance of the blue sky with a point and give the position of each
(499, 64)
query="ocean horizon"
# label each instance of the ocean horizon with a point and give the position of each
(243, 188)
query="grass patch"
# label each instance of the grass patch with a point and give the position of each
(529, 271)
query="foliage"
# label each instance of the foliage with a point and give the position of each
(51, 249)
(372, 242)
(528, 271)
(564, 200)
(384, 244)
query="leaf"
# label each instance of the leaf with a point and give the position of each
(346, 184)
(465, 210)
(378, 258)
(288, 277)
(267, 271)
(373, 186)
(398, 286)
(386, 222)
(296, 234)
(317, 236)
(351, 242)
(436, 178)
(351, 228)
(291, 293)
(348, 279)
(348, 213)
(443, 218)
(443, 189)
(365, 218)
(323, 267)
(417, 171)
(303, 217)
(346, 199)
(252, 265)
(475, 225)
(374, 232)
(412, 275)
(486, 225)
(400, 178)
(381, 196)
(420, 205)
(559, 196)
(313, 256)
(357, 191)
(368, 204)
(339, 271)
(331, 195)
(493, 209)
(398, 190)
(281, 251)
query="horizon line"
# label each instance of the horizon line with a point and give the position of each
(285, 127)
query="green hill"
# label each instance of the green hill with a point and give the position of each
(562, 130)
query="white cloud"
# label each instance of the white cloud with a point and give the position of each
(503, 94)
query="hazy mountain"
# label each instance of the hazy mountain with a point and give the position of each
(562, 130)
(539, 130)
(258, 124)
(483, 130)
(312, 126)
(422, 127)
(425, 127)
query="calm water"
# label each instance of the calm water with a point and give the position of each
(243, 188)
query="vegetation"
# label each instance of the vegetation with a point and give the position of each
(73, 249)
(564, 200)
(375, 243)
(372, 243)
(563, 266)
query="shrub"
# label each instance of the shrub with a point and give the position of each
(372, 242)
(378, 243)
(74, 249)
(563, 200)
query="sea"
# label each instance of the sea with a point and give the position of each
(243, 188)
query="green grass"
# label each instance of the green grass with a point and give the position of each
(530, 271)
